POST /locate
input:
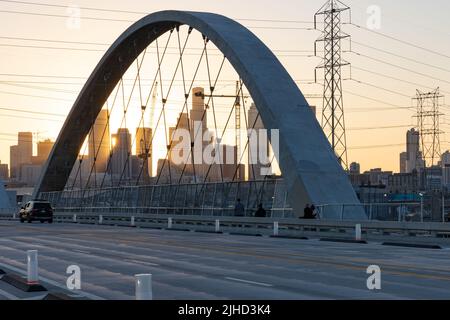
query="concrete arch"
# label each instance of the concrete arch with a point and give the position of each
(311, 170)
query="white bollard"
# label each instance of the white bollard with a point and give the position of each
(132, 222)
(358, 232)
(169, 223)
(74, 218)
(100, 219)
(32, 267)
(144, 287)
(14, 216)
(275, 229)
(217, 225)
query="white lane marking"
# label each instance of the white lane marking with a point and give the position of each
(142, 262)
(53, 283)
(249, 282)
(8, 295)
(81, 251)
(41, 297)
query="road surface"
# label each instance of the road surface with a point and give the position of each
(190, 265)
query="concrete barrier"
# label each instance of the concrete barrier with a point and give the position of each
(144, 287)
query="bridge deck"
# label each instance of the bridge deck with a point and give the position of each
(187, 265)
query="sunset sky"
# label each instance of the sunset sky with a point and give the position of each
(39, 79)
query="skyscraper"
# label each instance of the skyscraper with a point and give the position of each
(21, 153)
(255, 165)
(25, 147)
(44, 148)
(121, 162)
(403, 160)
(99, 142)
(4, 174)
(144, 151)
(198, 107)
(414, 159)
(14, 162)
(355, 168)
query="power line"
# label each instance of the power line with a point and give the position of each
(145, 13)
(401, 56)
(380, 88)
(397, 66)
(399, 40)
(109, 44)
(35, 96)
(377, 146)
(394, 78)
(132, 21)
(381, 127)
(379, 101)
(33, 112)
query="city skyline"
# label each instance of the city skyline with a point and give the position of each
(375, 130)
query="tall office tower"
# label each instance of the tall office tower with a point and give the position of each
(21, 154)
(403, 161)
(14, 162)
(355, 168)
(25, 147)
(414, 159)
(44, 148)
(99, 142)
(198, 107)
(4, 171)
(198, 114)
(255, 165)
(144, 152)
(121, 161)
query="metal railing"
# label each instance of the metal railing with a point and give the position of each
(400, 212)
(263, 226)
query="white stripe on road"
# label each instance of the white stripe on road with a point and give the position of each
(8, 295)
(53, 283)
(142, 262)
(81, 251)
(250, 282)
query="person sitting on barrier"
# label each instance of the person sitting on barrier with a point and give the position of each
(308, 212)
(313, 212)
(260, 213)
(239, 210)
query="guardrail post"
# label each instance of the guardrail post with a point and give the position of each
(275, 228)
(358, 232)
(169, 223)
(132, 222)
(32, 267)
(144, 287)
(100, 219)
(217, 225)
(75, 218)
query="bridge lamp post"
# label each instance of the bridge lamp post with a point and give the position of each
(421, 206)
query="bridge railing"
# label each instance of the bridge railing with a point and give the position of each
(212, 211)
(400, 212)
(287, 227)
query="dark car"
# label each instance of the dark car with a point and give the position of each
(36, 210)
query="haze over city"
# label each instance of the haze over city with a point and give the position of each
(44, 75)
(244, 151)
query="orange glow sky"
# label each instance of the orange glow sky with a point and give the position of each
(413, 21)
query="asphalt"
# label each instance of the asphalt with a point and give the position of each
(191, 265)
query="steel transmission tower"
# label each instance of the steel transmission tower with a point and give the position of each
(333, 123)
(428, 126)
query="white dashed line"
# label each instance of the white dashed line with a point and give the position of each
(249, 282)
